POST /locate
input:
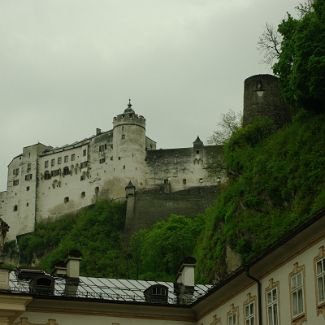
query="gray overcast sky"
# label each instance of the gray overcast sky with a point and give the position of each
(69, 66)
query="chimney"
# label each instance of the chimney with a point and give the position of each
(60, 270)
(98, 131)
(4, 278)
(72, 275)
(184, 286)
(73, 264)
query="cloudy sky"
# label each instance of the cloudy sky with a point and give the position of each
(69, 66)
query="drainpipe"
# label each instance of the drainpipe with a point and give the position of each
(259, 295)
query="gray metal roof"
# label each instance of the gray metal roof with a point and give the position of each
(121, 290)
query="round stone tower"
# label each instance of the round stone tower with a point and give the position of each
(262, 98)
(129, 147)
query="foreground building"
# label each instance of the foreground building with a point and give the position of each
(285, 285)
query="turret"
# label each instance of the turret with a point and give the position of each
(129, 146)
(262, 98)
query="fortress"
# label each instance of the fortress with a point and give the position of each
(123, 163)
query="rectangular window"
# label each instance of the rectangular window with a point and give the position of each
(83, 164)
(52, 162)
(272, 306)
(16, 172)
(28, 177)
(297, 294)
(73, 157)
(232, 319)
(55, 172)
(320, 281)
(250, 313)
(84, 153)
(59, 160)
(66, 159)
(15, 182)
(102, 147)
(46, 164)
(29, 167)
(102, 160)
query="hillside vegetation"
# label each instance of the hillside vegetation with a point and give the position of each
(95, 231)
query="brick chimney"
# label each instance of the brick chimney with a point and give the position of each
(184, 285)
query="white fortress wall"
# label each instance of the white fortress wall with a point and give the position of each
(45, 183)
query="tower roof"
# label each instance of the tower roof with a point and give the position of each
(129, 109)
(198, 142)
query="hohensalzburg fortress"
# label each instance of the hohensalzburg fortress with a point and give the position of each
(45, 182)
(123, 163)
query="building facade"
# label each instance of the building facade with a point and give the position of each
(45, 182)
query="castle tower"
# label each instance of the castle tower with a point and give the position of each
(129, 147)
(262, 97)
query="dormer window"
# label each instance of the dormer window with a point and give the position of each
(156, 293)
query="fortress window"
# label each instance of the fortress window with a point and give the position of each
(166, 181)
(123, 166)
(29, 167)
(119, 158)
(66, 171)
(15, 182)
(84, 153)
(16, 172)
(102, 160)
(47, 175)
(123, 136)
(15, 207)
(83, 194)
(28, 177)
(56, 172)
(66, 199)
(102, 147)
(184, 181)
(46, 164)
(112, 158)
(27, 188)
(96, 190)
(66, 159)
(27, 204)
(197, 151)
(83, 164)
(73, 157)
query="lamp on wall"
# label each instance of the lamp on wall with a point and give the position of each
(259, 88)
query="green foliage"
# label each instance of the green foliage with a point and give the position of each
(301, 64)
(158, 251)
(278, 181)
(95, 231)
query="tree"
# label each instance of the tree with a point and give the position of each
(269, 43)
(301, 56)
(231, 122)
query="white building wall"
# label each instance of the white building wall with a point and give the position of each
(279, 276)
